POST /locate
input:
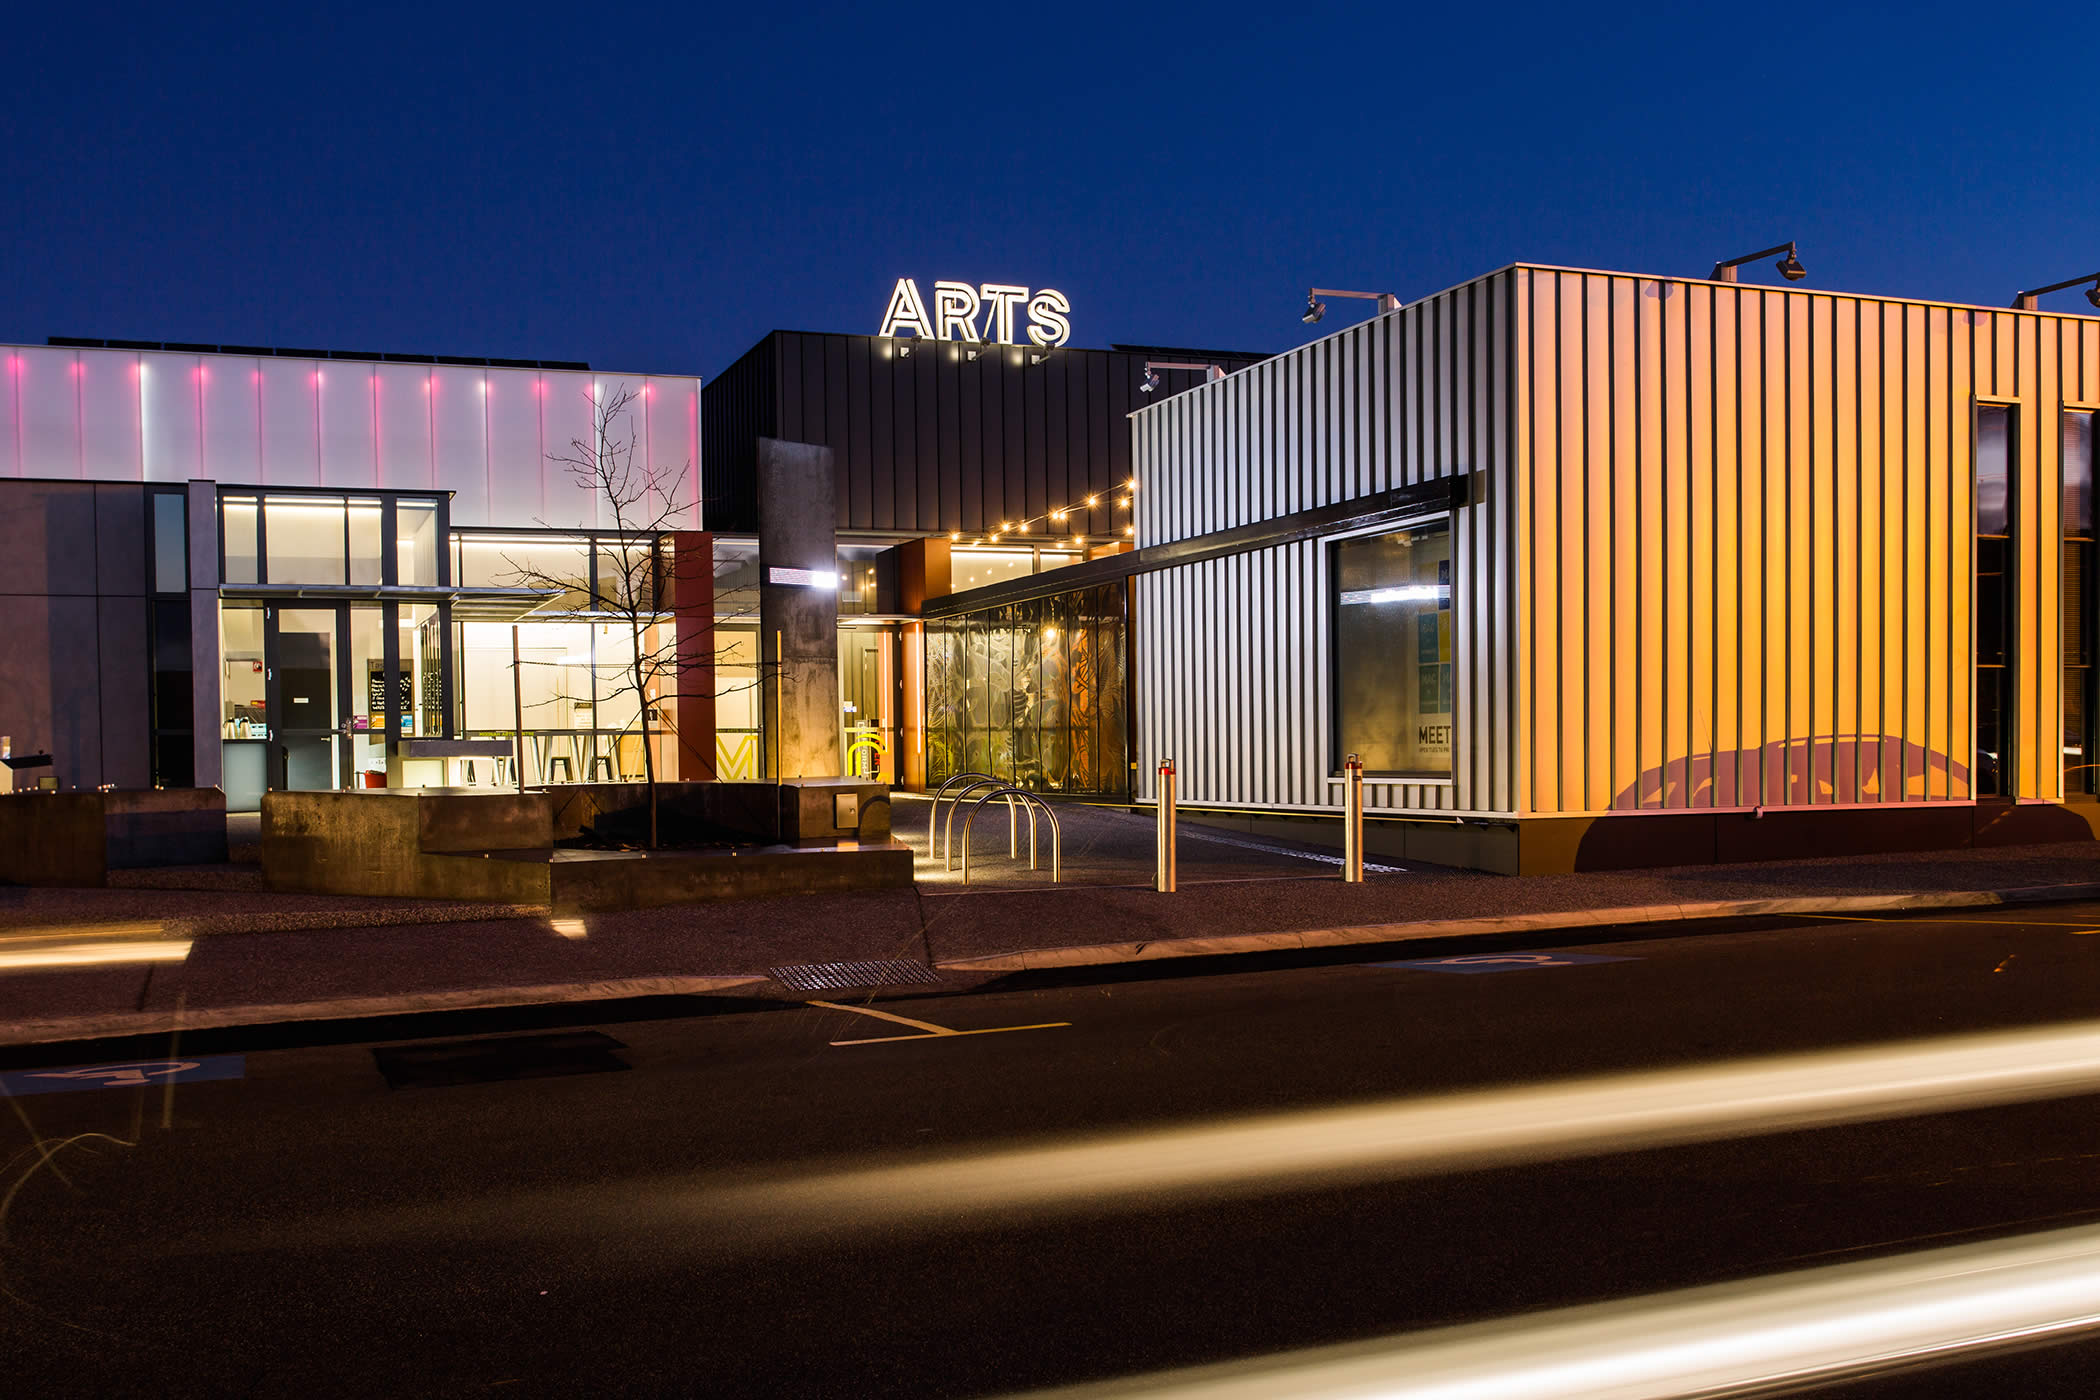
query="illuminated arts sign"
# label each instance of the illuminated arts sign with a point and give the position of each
(956, 306)
(803, 578)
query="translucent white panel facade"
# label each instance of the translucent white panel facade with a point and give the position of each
(348, 455)
(480, 432)
(401, 413)
(232, 426)
(109, 417)
(566, 412)
(459, 435)
(50, 426)
(291, 444)
(514, 462)
(168, 388)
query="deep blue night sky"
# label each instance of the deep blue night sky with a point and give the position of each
(655, 192)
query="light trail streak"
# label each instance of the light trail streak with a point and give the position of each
(1453, 1132)
(1815, 1326)
(88, 945)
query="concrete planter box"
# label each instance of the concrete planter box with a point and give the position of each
(474, 844)
(405, 842)
(801, 809)
(77, 838)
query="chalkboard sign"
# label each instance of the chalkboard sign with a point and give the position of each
(375, 691)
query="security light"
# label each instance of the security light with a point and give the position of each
(1151, 382)
(1314, 310)
(1789, 264)
(2028, 301)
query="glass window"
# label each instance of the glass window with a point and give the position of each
(365, 546)
(423, 658)
(416, 542)
(240, 517)
(171, 545)
(2079, 744)
(1392, 650)
(1032, 693)
(626, 574)
(1994, 633)
(858, 592)
(304, 535)
(975, 568)
(529, 561)
(736, 578)
(241, 690)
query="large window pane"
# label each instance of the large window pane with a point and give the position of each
(239, 513)
(1392, 649)
(415, 525)
(241, 689)
(365, 541)
(1993, 459)
(171, 546)
(305, 539)
(529, 561)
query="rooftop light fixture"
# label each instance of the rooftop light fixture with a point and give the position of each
(1789, 266)
(1151, 381)
(2029, 301)
(1315, 308)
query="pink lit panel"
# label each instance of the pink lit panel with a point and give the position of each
(459, 412)
(169, 414)
(402, 408)
(290, 426)
(232, 444)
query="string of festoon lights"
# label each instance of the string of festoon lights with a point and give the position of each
(1011, 531)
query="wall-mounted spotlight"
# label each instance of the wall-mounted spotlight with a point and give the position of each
(972, 353)
(1789, 266)
(1211, 372)
(1315, 308)
(1041, 354)
(903, 349)
(2028, 301)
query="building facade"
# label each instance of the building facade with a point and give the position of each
(1593, 568)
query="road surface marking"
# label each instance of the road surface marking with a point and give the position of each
(1501, 962)
(927, 1029)
(130, 1074)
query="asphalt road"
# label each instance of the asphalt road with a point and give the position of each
(735, 1203)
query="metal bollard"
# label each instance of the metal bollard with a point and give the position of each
(1353, 820)
(1163, 880)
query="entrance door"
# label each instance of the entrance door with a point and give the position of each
(867, 722)
(306, 685)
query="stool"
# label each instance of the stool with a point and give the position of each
(561, 761)
(600, 761)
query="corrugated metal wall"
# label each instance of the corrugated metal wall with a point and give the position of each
(1232, 657)
(1748, 560)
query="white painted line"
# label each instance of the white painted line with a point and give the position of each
(927, 1030)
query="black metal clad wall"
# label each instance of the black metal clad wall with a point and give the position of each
(934, 441)
(738, 408)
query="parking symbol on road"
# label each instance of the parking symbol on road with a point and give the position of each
(1503, 962)
(131, 1074)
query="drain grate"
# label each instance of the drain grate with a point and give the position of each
(494, 1059)
(847, 976)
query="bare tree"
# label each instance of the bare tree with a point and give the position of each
(644, 504)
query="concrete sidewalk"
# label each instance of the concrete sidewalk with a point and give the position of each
(82, 964)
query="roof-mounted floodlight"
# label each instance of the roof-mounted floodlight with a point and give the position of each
(1789, 266)
(2028, 301)
(1151, 379)
(1315, 308)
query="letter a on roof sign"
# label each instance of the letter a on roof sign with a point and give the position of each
(906, 312)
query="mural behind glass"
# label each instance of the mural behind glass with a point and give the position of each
(1033, 693)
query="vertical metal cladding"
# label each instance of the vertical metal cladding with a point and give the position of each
(1746, 542)
(1233, 654)
(935, 435)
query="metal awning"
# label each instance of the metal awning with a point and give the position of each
(468, 604)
